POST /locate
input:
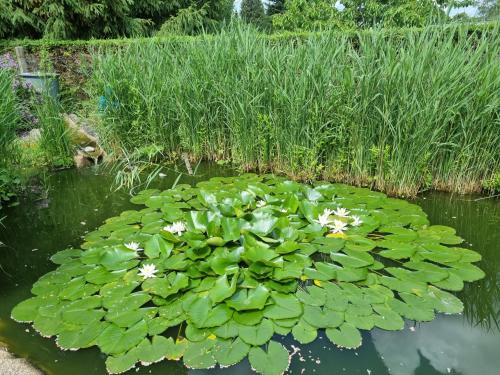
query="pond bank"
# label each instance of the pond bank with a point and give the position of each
(11, 365)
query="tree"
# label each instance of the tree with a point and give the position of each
(489, 9)
(309, 15)
(275, 7)
(393, 13)
(82, 19)
(252, 11)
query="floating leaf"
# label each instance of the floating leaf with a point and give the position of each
(304, 333)
(236, 274)
(258, 334)
(273, 362)
(230, 352)
(346, 336)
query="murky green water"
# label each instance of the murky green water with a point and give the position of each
(79, 201)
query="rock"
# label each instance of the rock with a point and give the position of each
(81, 161)
(10, 365)
(33, 136)
(81, 134)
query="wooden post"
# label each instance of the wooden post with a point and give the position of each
(23, 66)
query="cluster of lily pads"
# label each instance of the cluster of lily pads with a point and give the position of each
(233, 262)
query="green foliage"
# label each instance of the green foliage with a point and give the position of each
(252, 11)
(9, 120)
(81, 19)
(275, 7)
(309, 15)
(229, 261)
(54, 140)
(400, 110)
(493, 184)
(392, 13)
(9, 115)
(321, 14)
(489, 9)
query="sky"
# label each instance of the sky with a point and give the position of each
(471, 11)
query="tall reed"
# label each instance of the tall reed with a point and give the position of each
(398, 112)
(54, 139)
(9, 116)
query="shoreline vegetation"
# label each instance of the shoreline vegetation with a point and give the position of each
(397, 110)
(400, 113)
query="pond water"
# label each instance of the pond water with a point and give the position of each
(80, 200)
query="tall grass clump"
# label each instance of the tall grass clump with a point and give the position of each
(9, 119)
(397, 111)
(54, 138)
(9, 115)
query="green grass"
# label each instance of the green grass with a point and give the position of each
(9, 117)
(54, 140)
(399, 112)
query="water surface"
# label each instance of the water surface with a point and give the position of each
(80, 200)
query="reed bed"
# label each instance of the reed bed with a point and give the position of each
(9, 117)
(398, 112)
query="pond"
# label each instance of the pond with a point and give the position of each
(80, 200)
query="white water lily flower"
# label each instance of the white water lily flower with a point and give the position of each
(148, 271)
(338, 226)
(133, 246)
(341, 212)
(324, 218)
(261, 203)
(178, 227)
(356, 221)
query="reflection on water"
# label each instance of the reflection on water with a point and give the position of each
(477, 220)
(445, 345)
(80, 201)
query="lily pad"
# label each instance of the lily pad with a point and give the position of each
(274, 361)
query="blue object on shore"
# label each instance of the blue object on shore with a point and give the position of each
(105, 100)
(43, 82)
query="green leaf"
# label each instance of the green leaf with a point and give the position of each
(444, 302)
(200, 355)
(249, 299)
(314, 296)
(346, 336)
(230, 228)
(83, 337)
(353, 258)
(203, 315)
(304, 332)
(258, 334)
(322, 271)
(322, 318)
(121, 363)
(27, 310)
(116, 340)
(285, 306)
(249, 317)
(227, 330)
(273, 362)
(157, 246)
(222, 289)
(387, 319)
(230, 352)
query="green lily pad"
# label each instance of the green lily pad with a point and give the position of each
(230, 352)
(248, 259)
(274, 361)
(346, 336)
(258, 334)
